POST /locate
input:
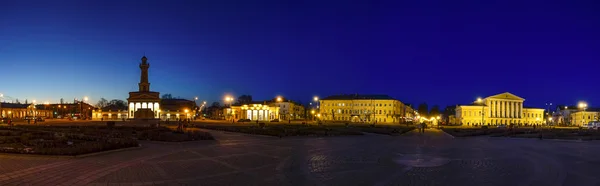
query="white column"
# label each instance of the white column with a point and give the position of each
(515, 110)
(499, 109)
(495, 103)
(504, 109)
(520, 109)
(510, 109)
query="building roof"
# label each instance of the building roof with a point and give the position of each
(114, 107)
(253, 102)
(358, 96)
(473, 104)
(528, 107)
(574, 107)
(176, 104)
(13, 105)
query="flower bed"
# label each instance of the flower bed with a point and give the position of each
(285, 130)
(142, 133)
(14, 140)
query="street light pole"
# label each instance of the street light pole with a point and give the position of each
(548, 112)
(480, 101)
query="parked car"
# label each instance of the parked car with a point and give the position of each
(592, 125)
(4, 120)
(243, 120)
(275, 120)
(502, 126)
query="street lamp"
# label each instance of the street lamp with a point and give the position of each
(548, 105)
(583, 105)
(480, 101)
(230, 100)
(279, 99)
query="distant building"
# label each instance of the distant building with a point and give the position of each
(505, 108)
(563, 115)
(174, 109)
(580, 117)
(111, 112)
(78, 109)
(364, 108)
(21, 111)
(256, 110)
(288, 109)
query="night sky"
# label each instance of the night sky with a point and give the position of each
(440, 52)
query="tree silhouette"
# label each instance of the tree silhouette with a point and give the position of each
(423, 110)
(167, 96)
(118, 103)
(102, 103)
(244, 99)
(435, 111)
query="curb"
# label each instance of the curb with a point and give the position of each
(72, 157)
(537, 139)
(449, 135)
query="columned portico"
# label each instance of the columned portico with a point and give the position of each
(505, 108)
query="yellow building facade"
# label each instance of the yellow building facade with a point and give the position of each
(255, 111)
(505, 108)
(364, 108)
(584, 117)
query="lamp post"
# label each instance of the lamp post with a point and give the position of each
(196, 106)
(33, 108)
(582, 105)
(83, 116)
(548, 105)
(279, 100)
(186, 114)
(480, 101)
(230, 100)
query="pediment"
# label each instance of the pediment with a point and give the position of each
(146, 96)
(143, 95)
(507, 96)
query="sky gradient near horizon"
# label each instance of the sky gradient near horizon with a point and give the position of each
(434, 51)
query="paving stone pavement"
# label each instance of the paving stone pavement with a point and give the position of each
(432, 158)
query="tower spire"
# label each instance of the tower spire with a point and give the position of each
(144, 84)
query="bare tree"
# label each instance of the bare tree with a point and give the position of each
(102, 103)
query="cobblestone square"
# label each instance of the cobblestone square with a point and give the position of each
(433, 158)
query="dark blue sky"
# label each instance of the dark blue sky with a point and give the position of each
(440, 52)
